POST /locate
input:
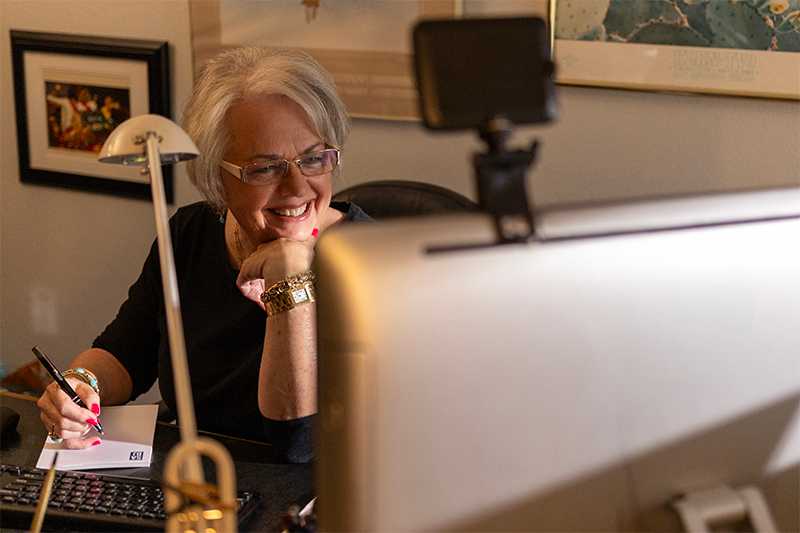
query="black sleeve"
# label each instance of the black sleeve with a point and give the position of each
(292, 440)
(133, 336)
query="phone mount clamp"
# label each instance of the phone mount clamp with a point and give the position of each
(501, 177)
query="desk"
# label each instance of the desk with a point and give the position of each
(279, 485)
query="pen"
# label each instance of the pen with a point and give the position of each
(56, 374)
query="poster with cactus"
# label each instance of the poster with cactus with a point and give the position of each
(739, 47)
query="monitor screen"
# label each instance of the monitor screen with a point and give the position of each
(634, 353)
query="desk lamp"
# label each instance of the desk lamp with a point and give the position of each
(150, 141)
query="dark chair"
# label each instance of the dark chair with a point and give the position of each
(399, 198)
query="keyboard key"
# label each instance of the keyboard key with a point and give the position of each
(84, 499)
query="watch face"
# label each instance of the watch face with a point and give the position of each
(299, 295)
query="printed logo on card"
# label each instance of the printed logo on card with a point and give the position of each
(137, 456)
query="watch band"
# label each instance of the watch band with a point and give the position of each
(290, 299)
(289, 293)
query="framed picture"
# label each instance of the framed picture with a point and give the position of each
(732, 47)
(370, 59)
(70, 92)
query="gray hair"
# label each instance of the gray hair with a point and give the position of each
(237, 74)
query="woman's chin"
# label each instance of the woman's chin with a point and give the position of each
(299, 232)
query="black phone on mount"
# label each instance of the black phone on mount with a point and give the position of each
(470, 71)
(488, 74)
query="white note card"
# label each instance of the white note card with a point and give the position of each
(128, 442)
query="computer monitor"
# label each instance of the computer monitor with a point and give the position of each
(634, 353)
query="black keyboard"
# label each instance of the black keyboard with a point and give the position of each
(90, 501)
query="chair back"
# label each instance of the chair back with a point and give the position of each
(401, 198)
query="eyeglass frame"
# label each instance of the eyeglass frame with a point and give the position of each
(238, 171)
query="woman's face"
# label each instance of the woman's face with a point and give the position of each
(274, 126)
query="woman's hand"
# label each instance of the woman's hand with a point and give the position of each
(64, 418)
(271, 262)
(276, 260)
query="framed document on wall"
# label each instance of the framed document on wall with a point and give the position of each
(730, 47)
(70, 92)
(365, 45)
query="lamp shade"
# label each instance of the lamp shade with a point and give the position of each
(126, 144)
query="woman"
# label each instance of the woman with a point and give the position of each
(269, 126)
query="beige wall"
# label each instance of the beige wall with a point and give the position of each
(609, 144)
(67, 258)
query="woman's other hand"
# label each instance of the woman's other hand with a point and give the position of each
(271, 262)
(64, 418)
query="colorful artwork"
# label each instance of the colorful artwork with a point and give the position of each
(70, 92)
(80, 117)
(772, 25)
(728, 47)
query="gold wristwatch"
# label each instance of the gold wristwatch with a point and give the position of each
(289, 293)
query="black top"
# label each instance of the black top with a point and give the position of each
(224, 335)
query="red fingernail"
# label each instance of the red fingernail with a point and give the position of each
(315, 232)
(91, 421)
(96, 408)
(96, 443)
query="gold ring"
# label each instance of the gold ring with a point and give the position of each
(52, 435)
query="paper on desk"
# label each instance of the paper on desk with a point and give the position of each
(128, 442)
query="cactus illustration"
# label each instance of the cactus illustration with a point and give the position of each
(695, 13)
(741, 24)
(598, 33)
(576, 18)
(775, 7)
(625, 16)
(666, 33)
(791, 22)
(738, 25)
(789, 42)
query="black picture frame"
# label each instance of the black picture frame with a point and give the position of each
(60, 49)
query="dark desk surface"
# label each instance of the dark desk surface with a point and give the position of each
(279, 485)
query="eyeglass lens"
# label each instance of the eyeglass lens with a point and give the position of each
(313, 164)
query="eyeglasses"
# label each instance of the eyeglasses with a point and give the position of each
(264, 171)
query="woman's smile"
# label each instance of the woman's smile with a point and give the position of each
(292, 212)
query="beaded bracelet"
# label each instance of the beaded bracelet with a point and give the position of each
(87, 376)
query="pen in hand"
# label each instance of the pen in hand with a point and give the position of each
(62, 383)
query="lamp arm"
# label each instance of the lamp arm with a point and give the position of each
(169, 282)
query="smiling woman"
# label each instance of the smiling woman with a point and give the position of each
(269, 126)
